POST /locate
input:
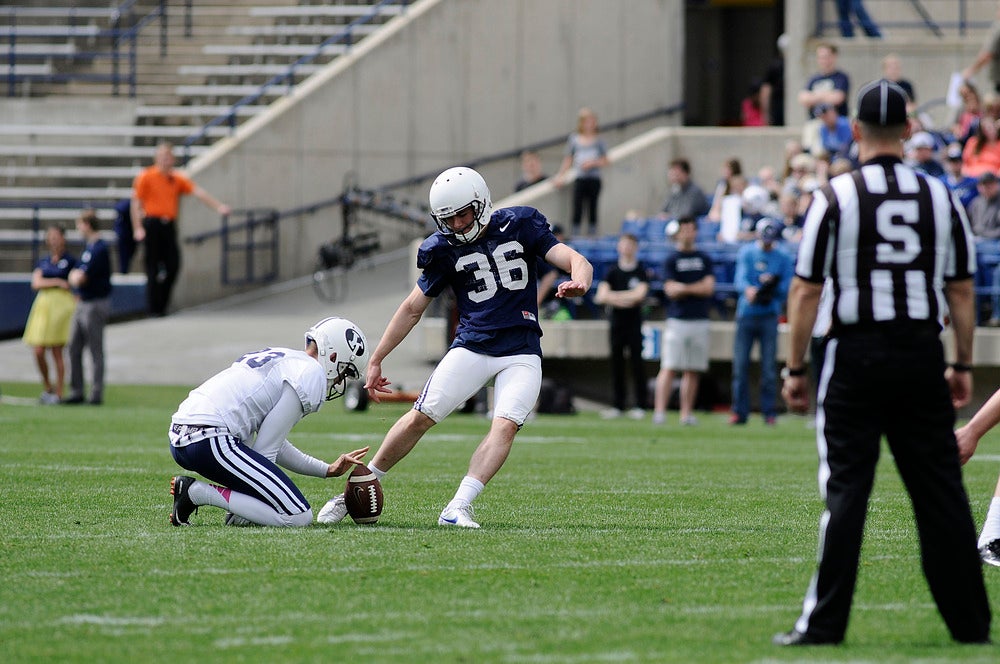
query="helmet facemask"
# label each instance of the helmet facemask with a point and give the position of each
(340, 348)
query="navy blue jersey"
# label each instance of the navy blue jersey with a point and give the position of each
(688, 267)
(58, 270)
(96, 263)
(494, 279)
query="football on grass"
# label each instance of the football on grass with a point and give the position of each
(363, 495)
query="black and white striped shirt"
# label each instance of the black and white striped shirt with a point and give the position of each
(889, 238)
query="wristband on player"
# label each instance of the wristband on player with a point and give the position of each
(961, 368)
(789, 372)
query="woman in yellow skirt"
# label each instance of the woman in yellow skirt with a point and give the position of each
(51, 312)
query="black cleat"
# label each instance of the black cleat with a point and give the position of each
(797, 638)
(183, 507)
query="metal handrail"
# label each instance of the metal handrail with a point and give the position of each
(286, 77)
(119, 37)
(961, 24)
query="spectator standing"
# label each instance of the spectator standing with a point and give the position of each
(587, 154)
(922, 148)
(892, 70)
(233, 429)
(689, 284)
(156, 194)
(731, 183)
(847, 8)
(963, 186)
(623, 291)
(531, 170)
(763, 273)
(884, 370)
(48, 324)
(124, 234)
(92, 280)
(772, 88)
(967, 119)
(751, 108)
(989, 54)
(685, 198)
(828, 85)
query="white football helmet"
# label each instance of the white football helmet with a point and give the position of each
(343, 352)
(453, 191)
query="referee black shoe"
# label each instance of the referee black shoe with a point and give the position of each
(183, 507)
(797, 638)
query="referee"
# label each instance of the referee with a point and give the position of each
(897, 248)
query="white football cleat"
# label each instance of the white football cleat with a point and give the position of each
(334, 511)
(458, 516)
(988, 553)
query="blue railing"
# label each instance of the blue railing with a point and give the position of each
(122, 33)
(287, 77)
(957, 17)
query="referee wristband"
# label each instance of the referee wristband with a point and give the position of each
(961, 368)
(789, 372)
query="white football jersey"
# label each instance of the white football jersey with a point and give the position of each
(240, 397)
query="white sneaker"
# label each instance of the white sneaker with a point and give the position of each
(610, 414)
(689, 421)
(659, 418)
(48, 399)
(334, 511)
(458, 516)
(637, 414)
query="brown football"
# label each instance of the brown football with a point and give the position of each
(363, 495)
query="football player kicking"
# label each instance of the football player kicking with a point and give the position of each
(489, 260)
(987, 417)
(232, 429)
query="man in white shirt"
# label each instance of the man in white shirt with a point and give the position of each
(232, 429)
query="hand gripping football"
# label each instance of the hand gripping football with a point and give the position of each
(363, 495)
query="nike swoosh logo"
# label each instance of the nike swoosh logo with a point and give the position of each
(453, 519)
(504, 227)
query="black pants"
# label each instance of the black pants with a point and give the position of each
(163, 262)
(585, 193)
(627, 339)
(892, 385)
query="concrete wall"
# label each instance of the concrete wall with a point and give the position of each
(450, 81)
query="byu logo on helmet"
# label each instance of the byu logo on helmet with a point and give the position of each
(355, 341)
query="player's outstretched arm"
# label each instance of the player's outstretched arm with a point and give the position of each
(404, 320)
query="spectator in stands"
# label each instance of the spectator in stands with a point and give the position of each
(685, 199)
(623, 291)
(835, 137)
(587, 153)
(124, 234)
(847, 8)
(768, 179)
(763, 274)
(892, 70)
(91, 278)
(531, 170)
(984, 211)
(791, 218)
(156, 194)
(802, 165)
(772, 88)
(988, 54)
(967, 120)
(828, 86)
(793, 148)
(963, 186)
(922, 148)
(731, 183)
(689, 284)
(982, 151)
(47, 327)
(751, 109)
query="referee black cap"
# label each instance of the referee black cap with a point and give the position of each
(883, 103)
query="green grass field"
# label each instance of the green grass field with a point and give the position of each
(601, 542)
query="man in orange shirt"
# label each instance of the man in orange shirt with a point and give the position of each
(156, 195)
